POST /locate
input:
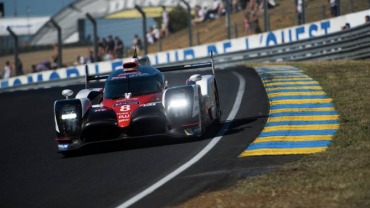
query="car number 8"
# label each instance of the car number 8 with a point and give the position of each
(125, 108)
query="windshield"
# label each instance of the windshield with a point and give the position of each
(137, 86)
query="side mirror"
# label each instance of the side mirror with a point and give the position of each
(67, 93)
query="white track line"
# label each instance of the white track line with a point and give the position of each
(197, 157)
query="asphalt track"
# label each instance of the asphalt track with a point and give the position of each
(34, 175)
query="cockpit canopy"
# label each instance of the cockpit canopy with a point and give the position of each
(144, 80)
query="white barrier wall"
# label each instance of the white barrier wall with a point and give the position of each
(286, 35)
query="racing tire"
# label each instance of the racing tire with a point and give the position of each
(218, 109)
(202, 127)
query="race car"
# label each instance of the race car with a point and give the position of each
(136, 101)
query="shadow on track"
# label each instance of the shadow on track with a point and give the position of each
(138, 143)
(240, 125)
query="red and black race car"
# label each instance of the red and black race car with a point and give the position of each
(136, 102)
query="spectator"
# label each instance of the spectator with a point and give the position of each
(108, 55)
(299, 4)
(149, 36)
(212, 13)
(243, 4)
(156, 33)
(136, 43)
(103, 44)
(43, 66)
(198, 15)
(346, 26)
(110, 44)
(251, 13)
(119, 47)
(7, 70)
(19, 67)
(81, 60)
(165, 22)
(333, 8)
(55, 55)
(90, 57)
(235, 6)
(246, 23)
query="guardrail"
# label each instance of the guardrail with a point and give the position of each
(353, 43)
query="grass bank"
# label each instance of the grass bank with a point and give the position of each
(338, 177)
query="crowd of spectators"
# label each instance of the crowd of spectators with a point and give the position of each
(250, 8)
(153, 34)
(113, 48)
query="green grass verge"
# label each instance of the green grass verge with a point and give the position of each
(338, 177)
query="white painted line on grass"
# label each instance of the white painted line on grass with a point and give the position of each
(197, 157)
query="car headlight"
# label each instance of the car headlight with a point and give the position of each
(178, 103)
(69, 116)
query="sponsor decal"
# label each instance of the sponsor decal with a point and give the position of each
(133, 75)
(126, 103)
(149, 104)
(115, 78)
(123, 120)
(100, 110)
(123, 113)
(123, 116)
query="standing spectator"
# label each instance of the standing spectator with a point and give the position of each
(212, 13)
(198, 15)
(333, 8)
(155, 33)
(246, 22)
(110, 44)
(367, 19)
(119, 47)
(136, 43)
(165, 22)
(19, 67)
(108, 55)
(299, 4)
(243, 4)
(90, 57)
(149, 36)
(252, 16)
(104, 43)
(7, 70)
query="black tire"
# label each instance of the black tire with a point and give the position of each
(218, 113)
(202, 127)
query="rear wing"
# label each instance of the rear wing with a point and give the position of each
(190, 66)
(162, 69)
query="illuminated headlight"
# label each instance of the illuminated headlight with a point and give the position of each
(69, 116)
(178, 103)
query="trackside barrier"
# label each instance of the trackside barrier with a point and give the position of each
(310, 43)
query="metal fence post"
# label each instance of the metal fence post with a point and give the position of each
(236, 30)
(323, 9)
(190, 25)
(159, 45)
(338, 8)
(351, 5)
(228, 24)
(60, 43)
(138, 8)
(265, 7)
(95, 36)
(15, 37)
